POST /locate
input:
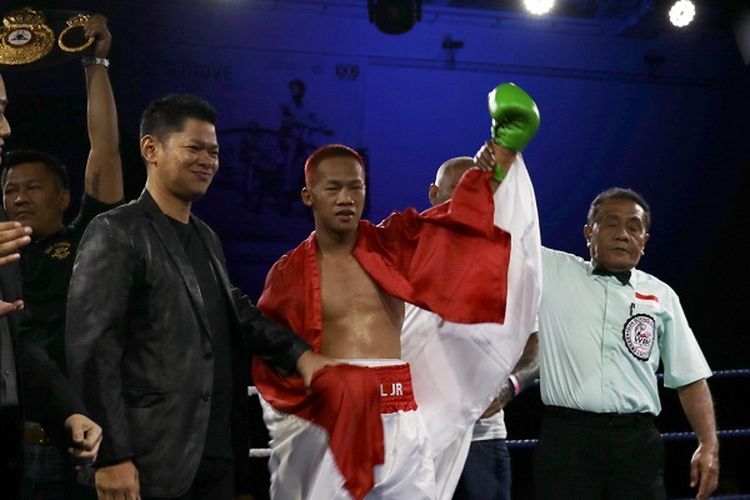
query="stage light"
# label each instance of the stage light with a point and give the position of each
(539, 7)
(394, 17)
(682, 13)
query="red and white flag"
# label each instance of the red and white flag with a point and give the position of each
(458, 369)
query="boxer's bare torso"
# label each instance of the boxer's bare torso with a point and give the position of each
(359, 319)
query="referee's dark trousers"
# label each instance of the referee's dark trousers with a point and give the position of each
(597, 456)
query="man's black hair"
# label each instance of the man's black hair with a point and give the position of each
(619, 194)
(20, 156)
(167, 115)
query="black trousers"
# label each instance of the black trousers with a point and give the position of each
(595, 456)
(213, 481)
(11, 458)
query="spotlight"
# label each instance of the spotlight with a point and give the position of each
(539, 7)
(394, 17)
(682, 13)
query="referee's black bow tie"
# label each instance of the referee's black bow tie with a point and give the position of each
(623, 276)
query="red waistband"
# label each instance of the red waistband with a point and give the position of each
(396, 391)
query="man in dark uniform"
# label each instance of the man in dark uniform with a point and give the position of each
(25, 369)
(36, 193)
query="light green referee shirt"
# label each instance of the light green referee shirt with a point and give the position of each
(601, 341)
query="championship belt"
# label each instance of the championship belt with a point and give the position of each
(28, 35)
(25, 37)
(73, 38)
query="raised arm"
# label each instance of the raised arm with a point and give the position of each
(494, 158)
(103, 178)
(699, 409)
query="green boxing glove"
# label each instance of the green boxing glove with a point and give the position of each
(515, 117)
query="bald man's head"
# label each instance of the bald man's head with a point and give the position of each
(447, 178)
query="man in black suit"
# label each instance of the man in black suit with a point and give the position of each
(30, 383)
(158, 340)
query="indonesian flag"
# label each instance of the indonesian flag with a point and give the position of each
(646, 297)
(458, 369)
(451, 259)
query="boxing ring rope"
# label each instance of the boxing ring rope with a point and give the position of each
(530, 443)
(260, 452)
(667, 436)
(737, 373)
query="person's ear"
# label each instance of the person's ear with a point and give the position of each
(148, 148)
(64, 200)
(587, 234)
(432, 194)
(306, 196)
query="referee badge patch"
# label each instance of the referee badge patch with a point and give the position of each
(639, 335)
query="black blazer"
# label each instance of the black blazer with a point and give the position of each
(139, 349)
